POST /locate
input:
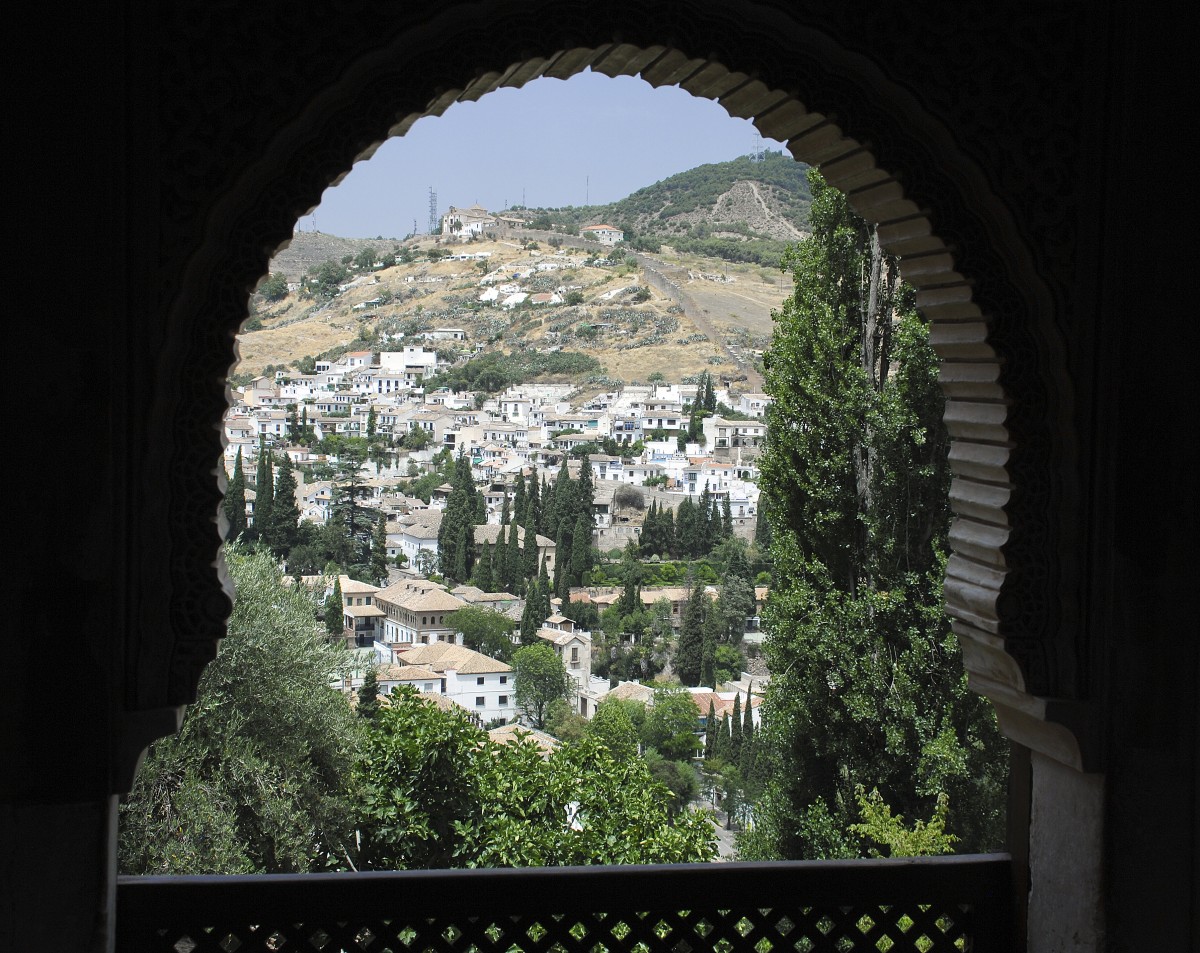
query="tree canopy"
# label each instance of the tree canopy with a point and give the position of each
(253, 782)
(438, 793)
(867, 683)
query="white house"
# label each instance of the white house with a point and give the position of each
(418, 612)
(467, 222)
(605, 234)
(475, 681)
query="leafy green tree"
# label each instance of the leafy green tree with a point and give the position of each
(485, 630)
(274, 288)
(612, 726)
(264, 492)
(438, 793)
(540, 679)
(887, 832)
(334, 604)
(234, 503)
(867, 685)
(378, 571)
(368, 695)
(672, 724)
(257, 778)
(284, 532)
(735, 605)
(689, 656)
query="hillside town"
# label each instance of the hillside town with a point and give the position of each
(663, 453)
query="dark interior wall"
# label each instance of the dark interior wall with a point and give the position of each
(136, 125)
(1145, 472)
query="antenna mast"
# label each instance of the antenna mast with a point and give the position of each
(433, 215)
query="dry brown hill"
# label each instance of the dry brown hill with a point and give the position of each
(632, 321)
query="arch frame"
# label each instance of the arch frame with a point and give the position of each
(1013, 580)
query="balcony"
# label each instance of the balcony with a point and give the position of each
(957, 903)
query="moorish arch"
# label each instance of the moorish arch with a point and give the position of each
(1011, 586)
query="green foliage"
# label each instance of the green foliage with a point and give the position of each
(368, 695)
(438, 793)
(495, 372)
(274, 288)
(924, 838)
(254, 781)
(335, 622)
(324, 280)
(540, 679)
(485, 631)
(673, 724)
(867, 683)
(234, 502)
(613, 727)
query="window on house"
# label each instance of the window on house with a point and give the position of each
(479, 680)
(478, 701)
(503, 679)
(503, 699)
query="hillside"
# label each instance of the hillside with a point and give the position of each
(694, 291)
(741, 210)
(630, 320)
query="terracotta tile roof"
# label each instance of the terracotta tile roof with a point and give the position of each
(443, 655)
(507, 734)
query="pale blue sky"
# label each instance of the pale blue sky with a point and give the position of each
(591, 139)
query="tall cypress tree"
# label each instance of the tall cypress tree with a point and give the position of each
(735, 729)
(710, 730)
(285, 512)
(529, 613)
(378, 564)
(520, 503)
(264, 492)
(235, 500)
(854, 481)
(483, 578)
(529, 556)
(334, 603)
(585, 493)
(368, 695)
(581, 549)
(689, 656)
(512, 560)
(533, 505)
(500, 571)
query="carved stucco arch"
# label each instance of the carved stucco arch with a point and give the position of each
(1010, 589)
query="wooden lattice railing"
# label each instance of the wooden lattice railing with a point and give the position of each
(921, 904)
